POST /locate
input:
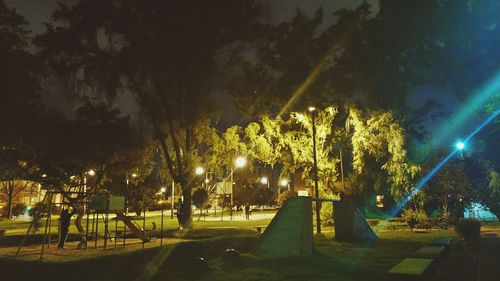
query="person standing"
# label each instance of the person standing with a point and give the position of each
(65, 221)
(180, 213)
(247, 211)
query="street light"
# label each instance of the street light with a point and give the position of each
(91, 173)
(284, 183)
(133, 175)
(265, 181)
(199, 171)
(460, 146)
(312, 109)
(239, 162)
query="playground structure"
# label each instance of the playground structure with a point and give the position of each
(95, 208)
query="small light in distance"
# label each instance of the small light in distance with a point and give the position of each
(199, 171)
(284, 182)
(264, 180)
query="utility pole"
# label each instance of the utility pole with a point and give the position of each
(316, 188)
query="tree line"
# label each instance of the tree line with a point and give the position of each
(177, 59)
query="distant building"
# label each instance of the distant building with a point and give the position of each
(24, 192)
(480, 212)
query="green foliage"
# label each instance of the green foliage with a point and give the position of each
(243, 195)
(413, 217)
(263, 196)
(377, 134)
(200, 197)
(17, 209)
(285, 195)
(450, 189)
(469, 229)
(373, 222)
(494, 197)
(171, 80)
(326, 213)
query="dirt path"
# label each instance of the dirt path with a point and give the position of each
(71, 253)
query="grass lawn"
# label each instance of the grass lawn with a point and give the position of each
(332, 260)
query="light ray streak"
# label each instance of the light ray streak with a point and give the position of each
(438, 167)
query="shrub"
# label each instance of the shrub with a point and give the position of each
(285, 195)
(469, 229)
(413, 217)
(326, 214)
(373, 222)
(17, 209)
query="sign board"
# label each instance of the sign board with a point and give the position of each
(380, 201)
(116, 203)
(98, 203)
(223, 188)
(303, 193)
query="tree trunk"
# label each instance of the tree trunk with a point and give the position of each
(10, 195)
(187, 217)
(9, 207)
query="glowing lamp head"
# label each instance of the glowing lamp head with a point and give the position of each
(460, 145)
(91, 172)
(199, 171)
(264, 180)
(311, 108)
(240, 162)
(163, 190)
(284, 183)
(134, 175)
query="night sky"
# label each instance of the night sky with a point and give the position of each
(39, 11)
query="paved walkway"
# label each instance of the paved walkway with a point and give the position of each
(477, 263)
(489, 257)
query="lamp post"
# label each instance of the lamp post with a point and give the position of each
(285, 183)
(200, 171)
(264, 181)
(239, 162)
(163, 191)
(316, 189)
(460, 146)
(341, 167)
(133, 175)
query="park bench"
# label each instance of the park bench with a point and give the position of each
(410, 269)
(222, 227)
(442, 241)
(429, 252)
(259, 228)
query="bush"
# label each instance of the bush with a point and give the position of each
(413, 217)
(285, 196)
(326, 214)
(469, 229)
(373, 222)
(17, 209)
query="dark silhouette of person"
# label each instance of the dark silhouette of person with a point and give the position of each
(180, 213)
(65, 221)
(247, 211)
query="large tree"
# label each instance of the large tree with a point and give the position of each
(165, 53)
(20, 110)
